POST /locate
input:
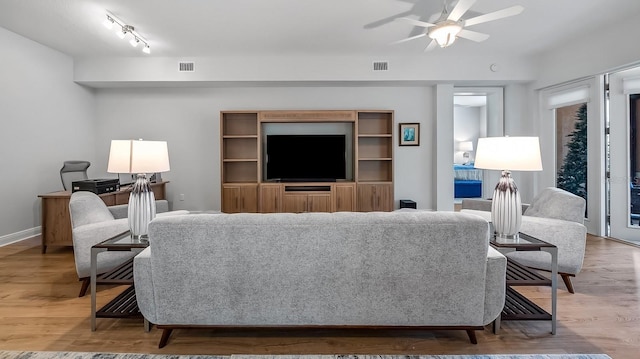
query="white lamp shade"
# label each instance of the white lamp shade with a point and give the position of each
(137, 156)
(466, 146)
(509, 153)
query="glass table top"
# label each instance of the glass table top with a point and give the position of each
(122, 241)
(522, 240)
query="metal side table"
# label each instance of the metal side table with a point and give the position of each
(125, 304)
(517, 306)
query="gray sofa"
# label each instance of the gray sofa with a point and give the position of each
(554, 216)
(426, 270)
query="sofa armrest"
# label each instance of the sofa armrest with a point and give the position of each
(570, 238)
(495, 285)
(122, 210)
(143, 282)
(479, 204)
(119, 211)
(84, 237)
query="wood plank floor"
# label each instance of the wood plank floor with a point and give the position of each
(40, 310)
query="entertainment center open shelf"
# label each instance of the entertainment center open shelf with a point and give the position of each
(368, 183)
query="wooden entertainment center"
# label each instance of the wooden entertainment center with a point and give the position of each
(245, 190)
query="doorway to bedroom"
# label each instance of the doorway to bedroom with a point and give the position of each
(477, 112)
(469, 124)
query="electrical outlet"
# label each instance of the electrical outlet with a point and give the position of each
(182, 196)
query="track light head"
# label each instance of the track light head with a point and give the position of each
(123, 29)
(108, 22)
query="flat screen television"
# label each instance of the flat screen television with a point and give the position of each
(305, 158)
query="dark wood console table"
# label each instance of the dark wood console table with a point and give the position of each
(56, 222)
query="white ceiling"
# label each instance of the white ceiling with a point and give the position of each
(210, 28)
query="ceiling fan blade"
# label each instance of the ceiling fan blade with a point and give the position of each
(409, 39)
(386, 20)
(472, 35)
(510, 11)
(432, 45)
(461, 7)
(415, 22)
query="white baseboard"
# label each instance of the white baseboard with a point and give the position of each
(19, 236)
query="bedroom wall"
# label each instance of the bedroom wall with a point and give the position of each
(466, 127)
(46, 119)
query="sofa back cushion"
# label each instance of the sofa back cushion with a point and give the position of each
(347, 268)
(556, 203)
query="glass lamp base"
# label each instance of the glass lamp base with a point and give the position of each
(506, 208)
(142, 208)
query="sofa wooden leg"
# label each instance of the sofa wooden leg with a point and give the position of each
(85, 285)
(566, 278)
(166, 333)
(472, 336)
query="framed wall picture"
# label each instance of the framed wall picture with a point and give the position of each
(409, 134)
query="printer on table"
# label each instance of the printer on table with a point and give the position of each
(97, 186)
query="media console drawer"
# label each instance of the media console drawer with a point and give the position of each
(307, 188)
(307, 197)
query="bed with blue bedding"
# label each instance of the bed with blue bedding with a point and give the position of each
(467, 181)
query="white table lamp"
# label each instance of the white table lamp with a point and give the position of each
(139, 157)
(465, 147)
(508, 154)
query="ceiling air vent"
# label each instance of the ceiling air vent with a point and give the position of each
(380, 66)
(187, 67)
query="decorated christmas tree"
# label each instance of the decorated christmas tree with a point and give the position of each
(572, 176)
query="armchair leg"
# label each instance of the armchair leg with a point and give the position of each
(85, 285)
(566, 278)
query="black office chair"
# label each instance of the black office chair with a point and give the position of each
(73, 171)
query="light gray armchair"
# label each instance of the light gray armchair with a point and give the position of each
(554, 216)
(93, 222)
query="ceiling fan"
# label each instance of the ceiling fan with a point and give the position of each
(450, 26)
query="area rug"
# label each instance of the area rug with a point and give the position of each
(475, 356)
(87, 355)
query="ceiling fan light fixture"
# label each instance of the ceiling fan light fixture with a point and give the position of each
(445, 33)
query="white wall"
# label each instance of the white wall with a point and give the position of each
(517, 122)
(601, 51)
(189, 119)
(446, 67)
(597, 52)
(46, 119)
